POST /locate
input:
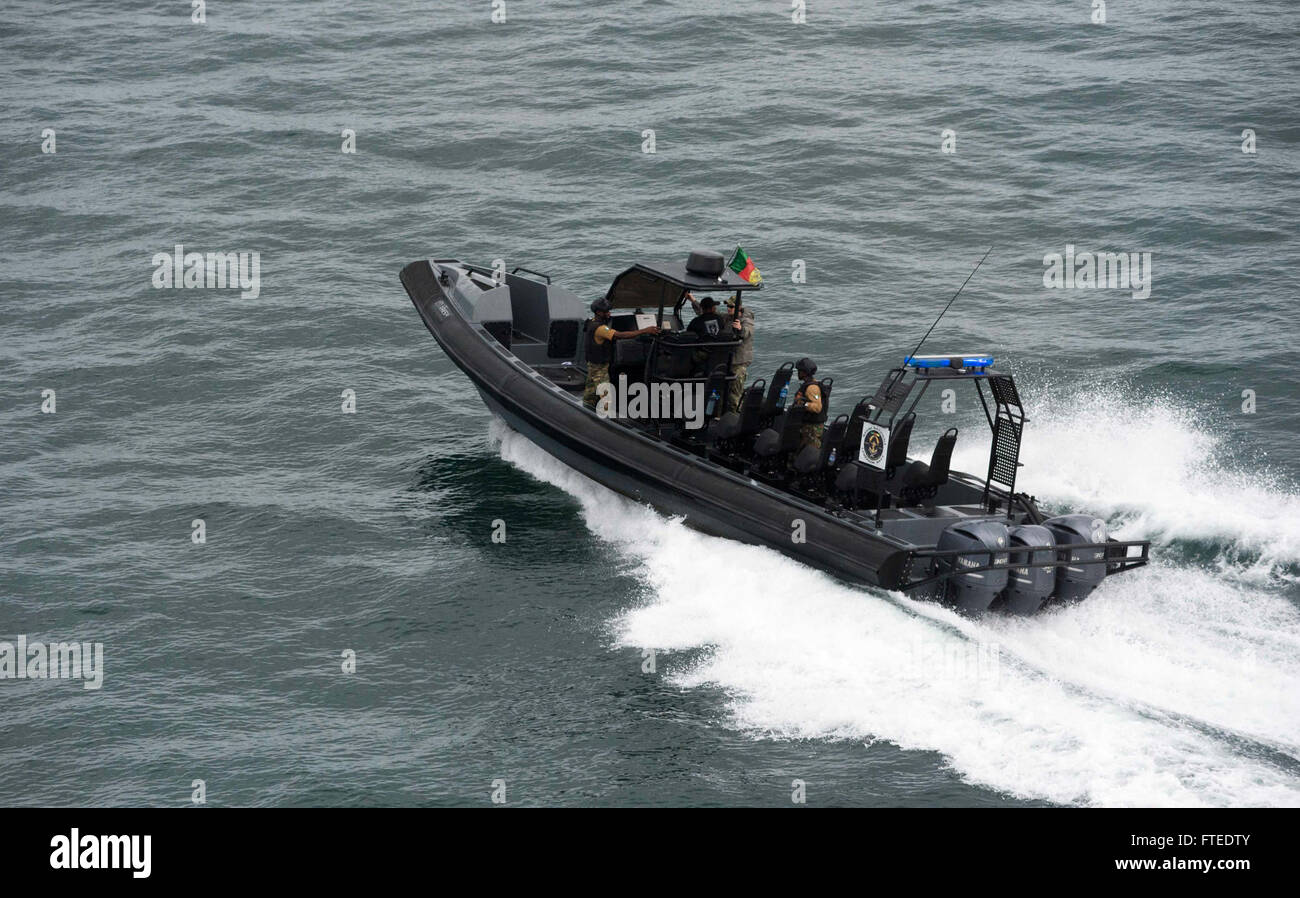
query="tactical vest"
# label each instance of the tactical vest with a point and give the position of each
(597, 353)
(809, 417)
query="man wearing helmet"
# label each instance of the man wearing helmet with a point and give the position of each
(600, 339)
(809, 398)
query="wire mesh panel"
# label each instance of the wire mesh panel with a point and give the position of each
(1004, 391)
(1006, 451)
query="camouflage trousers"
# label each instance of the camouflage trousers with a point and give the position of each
(737, 387)
(596, 375)
(811, 435)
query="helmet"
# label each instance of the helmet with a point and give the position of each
(806, 366)
(600, 305)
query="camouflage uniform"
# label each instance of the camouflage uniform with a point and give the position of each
(743, 356)
(811, 435)
(596, 375)
(737, 387)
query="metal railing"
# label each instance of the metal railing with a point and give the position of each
(1115, 563)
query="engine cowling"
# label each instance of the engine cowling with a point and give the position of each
(1077, 581)
(1028, 587)
(974, 591)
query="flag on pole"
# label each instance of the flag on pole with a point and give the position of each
(743, 265)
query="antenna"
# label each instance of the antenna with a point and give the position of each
(913, 353)
(902, 370)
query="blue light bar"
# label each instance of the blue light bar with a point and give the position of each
(947, 361)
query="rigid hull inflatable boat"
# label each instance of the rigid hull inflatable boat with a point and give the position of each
(857, 506)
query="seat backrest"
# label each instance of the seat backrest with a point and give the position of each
(898, 441)
(719, 355)
(853, 434)
(942, 456)
(715, 392)
(780, 382)
(832, 441)
(788, 424)
(673, 357)
(751, 404)
(629, 353)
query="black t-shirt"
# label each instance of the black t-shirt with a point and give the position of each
(707, 324)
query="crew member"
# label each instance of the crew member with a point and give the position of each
(742, 326)
(600, 348)
(810, 399)
(708, 323)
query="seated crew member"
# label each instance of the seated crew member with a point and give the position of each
(742, 326)
(809, 398)
(600, 339)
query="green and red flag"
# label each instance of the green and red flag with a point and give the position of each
(743, 265)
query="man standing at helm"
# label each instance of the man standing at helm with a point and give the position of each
(600, 339)
(742, 326)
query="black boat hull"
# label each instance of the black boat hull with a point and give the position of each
(634, 463)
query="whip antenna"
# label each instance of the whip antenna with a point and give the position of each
(913, 353)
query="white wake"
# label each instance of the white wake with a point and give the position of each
(1170, 686)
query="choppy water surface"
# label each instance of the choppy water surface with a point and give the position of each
(371, 532)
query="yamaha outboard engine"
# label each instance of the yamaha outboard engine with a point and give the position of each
(1075, 582)
(1029, 587)
(987, 540)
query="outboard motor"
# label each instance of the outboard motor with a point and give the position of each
(987, 541)
(1029, 587)
(1076, 582)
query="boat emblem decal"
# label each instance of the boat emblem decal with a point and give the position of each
(875, 445)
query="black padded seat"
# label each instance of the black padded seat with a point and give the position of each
(782, 436)
(768, 443)
(855, 477)
(675, 356)
(774, 402)
(846, 481)
(715, 392)
(745, 421)
(812, 459)
(853, 435)
(921, 481)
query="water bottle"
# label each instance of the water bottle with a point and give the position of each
(784, 390)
